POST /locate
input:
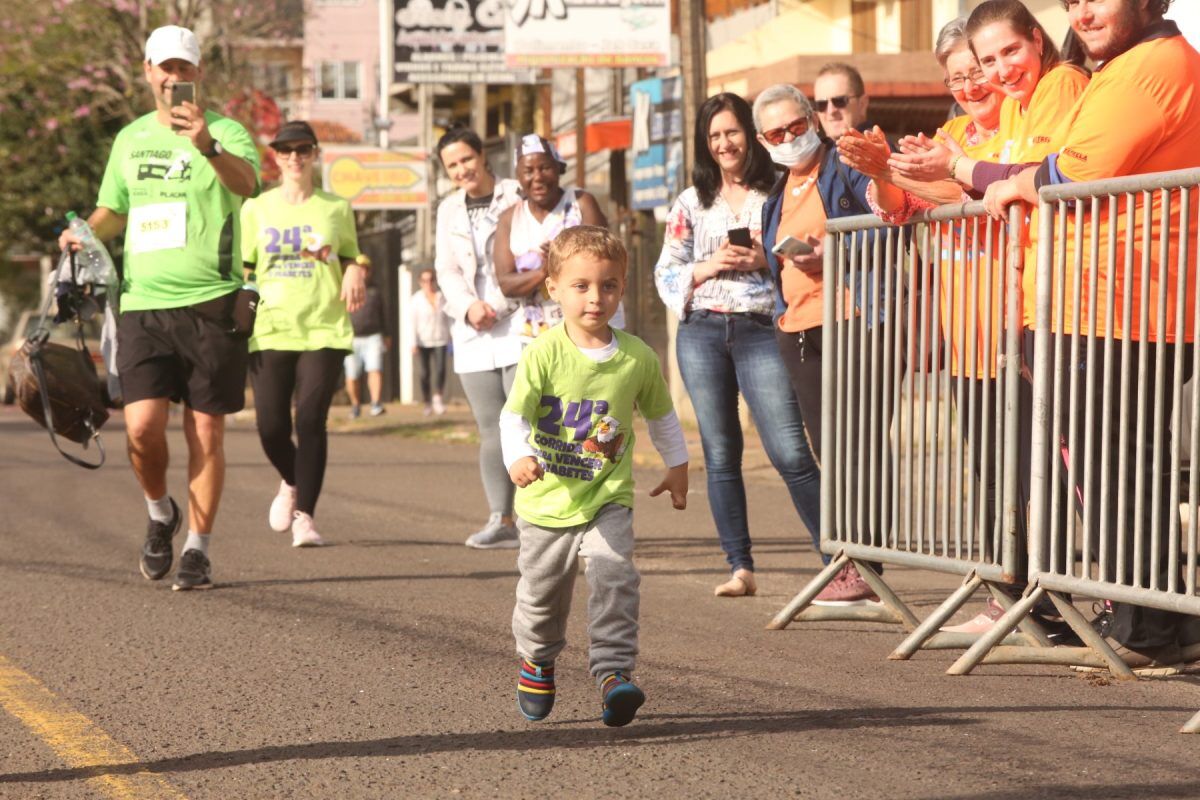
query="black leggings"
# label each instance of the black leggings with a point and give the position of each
(433, 370)
(312, 376)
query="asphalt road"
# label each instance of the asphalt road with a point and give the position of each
(383, 667)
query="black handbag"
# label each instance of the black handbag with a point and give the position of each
(59, 388)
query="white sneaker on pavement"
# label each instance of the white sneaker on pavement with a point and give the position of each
(494, 536)
(282, 508)
(439, 407)
(304, 534)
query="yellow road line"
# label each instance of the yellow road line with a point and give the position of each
(76, 739)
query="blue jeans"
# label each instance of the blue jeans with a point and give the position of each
(718, 355)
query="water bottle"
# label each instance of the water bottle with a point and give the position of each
(92, 262)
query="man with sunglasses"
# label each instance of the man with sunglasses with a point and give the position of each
(840, 98)
(174, 186)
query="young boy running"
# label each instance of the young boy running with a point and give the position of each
(567, 436)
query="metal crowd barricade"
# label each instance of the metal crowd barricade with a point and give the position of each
(1113, 503)
(921, 366)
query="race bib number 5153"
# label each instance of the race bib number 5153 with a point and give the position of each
(160, 226)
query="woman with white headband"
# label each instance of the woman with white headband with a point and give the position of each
(526, 230)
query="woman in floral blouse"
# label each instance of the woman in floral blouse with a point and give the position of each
(725, 298)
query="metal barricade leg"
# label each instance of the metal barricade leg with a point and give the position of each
(937, 619)
(990, 640)
(1028, 625)
(929, 636)
(886, 595)
(802, 600)
(1088, 635)
(891, 610)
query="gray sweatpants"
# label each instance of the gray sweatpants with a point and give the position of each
(549, 561)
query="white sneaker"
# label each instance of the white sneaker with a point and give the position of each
(494, 536)
(439, 407)
(304, 534)
(282, 508)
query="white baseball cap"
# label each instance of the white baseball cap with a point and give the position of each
(172, 41)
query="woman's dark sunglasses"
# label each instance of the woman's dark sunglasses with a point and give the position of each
(303, 150)
(841, 101)
(797, 127)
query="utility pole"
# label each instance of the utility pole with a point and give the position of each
(479, 109)
(580, 129)
(386, 72)
(692, 50)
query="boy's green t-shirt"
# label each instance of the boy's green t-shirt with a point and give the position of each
(297, 252)
(182, 233)
(581, 413)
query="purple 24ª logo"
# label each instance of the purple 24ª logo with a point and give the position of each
(578, 415)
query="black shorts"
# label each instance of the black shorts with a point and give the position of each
(184, 354)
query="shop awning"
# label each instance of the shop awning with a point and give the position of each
(609, 134)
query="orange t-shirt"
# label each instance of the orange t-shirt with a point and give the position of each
(1139, 115)
(1030, 135)
(802, 215)
(1026, 133)
(964, 264)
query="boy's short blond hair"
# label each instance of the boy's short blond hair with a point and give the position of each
(594, 241)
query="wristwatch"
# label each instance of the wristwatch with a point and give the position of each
(213, 151)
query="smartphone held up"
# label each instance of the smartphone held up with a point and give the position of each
(181, 92)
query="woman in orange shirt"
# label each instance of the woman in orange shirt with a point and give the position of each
(1018, 58)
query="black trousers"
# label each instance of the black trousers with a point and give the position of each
(802, 353)
(432, 361)
(1133, 626)
(311, 376)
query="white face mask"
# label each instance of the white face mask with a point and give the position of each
(797, 151)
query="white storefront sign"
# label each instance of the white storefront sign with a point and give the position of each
(587, 33)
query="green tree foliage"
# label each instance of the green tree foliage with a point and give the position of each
(71, 76)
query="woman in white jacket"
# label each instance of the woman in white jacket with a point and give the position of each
(486, 349)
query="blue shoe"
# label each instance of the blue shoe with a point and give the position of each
(621, 699)
(535, 690)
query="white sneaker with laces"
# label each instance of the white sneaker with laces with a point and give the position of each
(494, 536)
(439, 407)
(282, 508)
(304, 534)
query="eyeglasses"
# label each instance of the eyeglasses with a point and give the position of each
(303, 150)
(956, 83)
(841, 101)
(797, 127)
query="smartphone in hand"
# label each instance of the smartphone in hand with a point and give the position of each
(740, 237)
(791, 246)
(181, 92)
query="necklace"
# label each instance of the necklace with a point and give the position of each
(799, 190)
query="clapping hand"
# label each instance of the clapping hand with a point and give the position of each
(866, 152)
(924, 159)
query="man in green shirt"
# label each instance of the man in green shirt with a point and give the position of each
(174, 186)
